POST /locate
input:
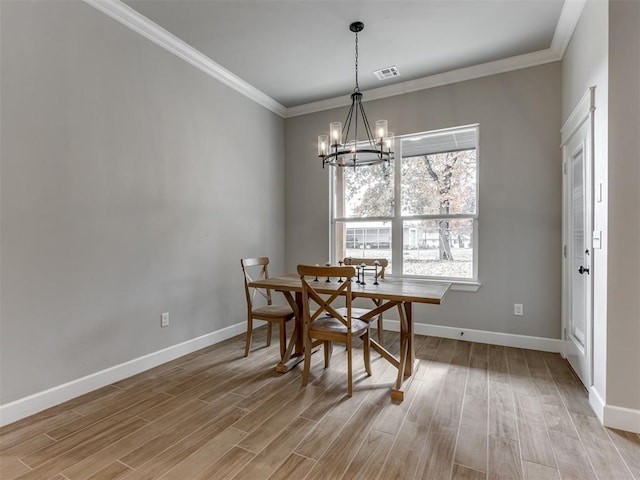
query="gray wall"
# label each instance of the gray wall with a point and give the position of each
(623, 296)
(131, 184)
(520, 193)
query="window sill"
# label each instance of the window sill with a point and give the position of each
(456, 285)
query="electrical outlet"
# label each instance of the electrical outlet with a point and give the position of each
(518, 309)
(164, 319)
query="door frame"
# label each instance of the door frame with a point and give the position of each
(581, 114)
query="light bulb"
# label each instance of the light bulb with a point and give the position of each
(336, 133)
(382, 128)
(389, 141)
(323, 141)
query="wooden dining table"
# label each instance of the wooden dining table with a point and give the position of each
(400, 293)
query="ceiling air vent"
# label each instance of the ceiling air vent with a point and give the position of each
(387, 72)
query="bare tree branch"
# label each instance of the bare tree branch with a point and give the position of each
(432, 173)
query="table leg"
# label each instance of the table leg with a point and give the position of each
(293, 357)
(407, 363)
(411, 353)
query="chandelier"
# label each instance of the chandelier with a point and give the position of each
(338, 149)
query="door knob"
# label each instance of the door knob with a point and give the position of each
(582, 270)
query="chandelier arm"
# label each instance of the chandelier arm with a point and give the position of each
(355, 131)
(367, 127)
(347, 124)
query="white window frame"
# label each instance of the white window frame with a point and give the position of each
(397, 219)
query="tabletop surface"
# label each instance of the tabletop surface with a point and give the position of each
(397, 289)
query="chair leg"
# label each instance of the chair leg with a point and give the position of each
(307, 360)
(378, 302)
(269, 329)
(349, 368)
(367, 352)
(380, 329)
(283, 337)
(247, 345)
(328, 351)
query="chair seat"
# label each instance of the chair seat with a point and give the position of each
(273, 311)
(333, 325)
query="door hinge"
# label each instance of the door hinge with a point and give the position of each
(564, 251)
(564, 167)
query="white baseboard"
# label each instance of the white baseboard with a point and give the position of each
(37, 402)
(613, 416)
(481, 336)
(597, 403)
(610, 415)
(622, 418)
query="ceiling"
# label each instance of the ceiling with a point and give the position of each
(301, 51)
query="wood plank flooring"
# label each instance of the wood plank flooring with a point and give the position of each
(472, 412)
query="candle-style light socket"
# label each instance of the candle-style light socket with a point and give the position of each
(363, 267)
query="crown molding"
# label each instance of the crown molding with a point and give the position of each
(567, 22)
(569, 16)
(454, 76)
(130, 18)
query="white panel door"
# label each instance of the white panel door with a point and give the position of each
(578, 318)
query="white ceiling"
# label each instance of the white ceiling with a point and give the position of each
(301, 51)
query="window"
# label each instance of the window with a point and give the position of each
(419, 212)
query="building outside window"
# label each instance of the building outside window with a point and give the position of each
(420, 212)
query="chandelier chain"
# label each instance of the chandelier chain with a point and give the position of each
(357, 85)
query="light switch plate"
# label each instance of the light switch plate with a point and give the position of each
(597, 239)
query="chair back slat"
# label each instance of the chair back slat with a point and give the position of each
(369, 262)
(323, 271)
(325, 305)
(248, 265)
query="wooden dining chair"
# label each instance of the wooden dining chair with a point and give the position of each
(327, 324)
(270, 313)
(382, 264)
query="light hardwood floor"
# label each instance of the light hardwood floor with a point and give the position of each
(472, 412)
